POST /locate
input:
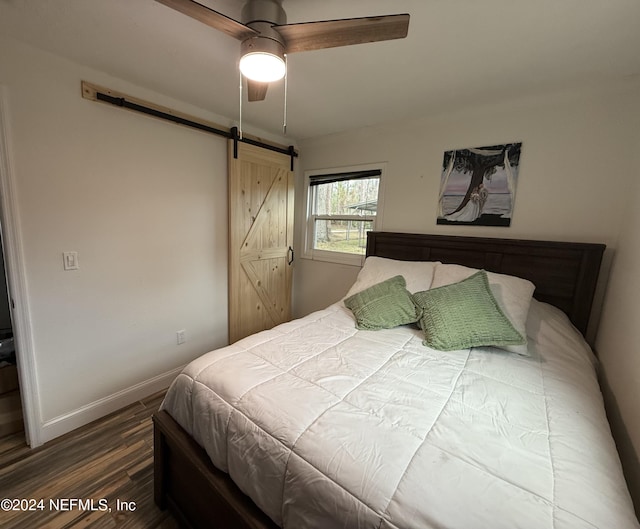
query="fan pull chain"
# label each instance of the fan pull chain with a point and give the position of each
(286, 74)
(240, 89)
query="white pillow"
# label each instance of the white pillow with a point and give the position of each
(513, 294)
(417, 274)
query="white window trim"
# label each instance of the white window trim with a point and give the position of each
(307, 234)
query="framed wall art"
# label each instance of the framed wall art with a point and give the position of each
(478, 185)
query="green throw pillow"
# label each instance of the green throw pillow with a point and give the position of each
(383, 306)
(464, 315)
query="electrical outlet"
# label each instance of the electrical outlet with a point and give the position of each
(181, 337)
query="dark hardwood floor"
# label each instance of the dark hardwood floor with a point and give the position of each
(109, 461)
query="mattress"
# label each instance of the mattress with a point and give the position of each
(323, 425)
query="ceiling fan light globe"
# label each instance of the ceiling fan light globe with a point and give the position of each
(262, 66)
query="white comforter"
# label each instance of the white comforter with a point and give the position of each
(324, 426)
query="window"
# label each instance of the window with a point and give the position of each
(342, 206)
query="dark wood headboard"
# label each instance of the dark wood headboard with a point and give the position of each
(564, 273)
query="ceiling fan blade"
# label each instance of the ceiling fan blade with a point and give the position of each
(211, 18)
(256, 91)
(345, 32)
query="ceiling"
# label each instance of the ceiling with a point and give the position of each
(457, 53)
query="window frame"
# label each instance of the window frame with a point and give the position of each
(309, 252)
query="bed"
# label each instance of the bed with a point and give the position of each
(317, 423)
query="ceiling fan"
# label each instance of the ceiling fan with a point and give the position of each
(266, 37)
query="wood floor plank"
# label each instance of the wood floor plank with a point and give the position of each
(109, 461)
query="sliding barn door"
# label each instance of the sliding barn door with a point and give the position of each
(260, 240)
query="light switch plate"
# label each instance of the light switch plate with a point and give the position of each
(70, 260)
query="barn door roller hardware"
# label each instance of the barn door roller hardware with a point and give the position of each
(235, 136)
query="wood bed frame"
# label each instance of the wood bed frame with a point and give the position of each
(565, 275)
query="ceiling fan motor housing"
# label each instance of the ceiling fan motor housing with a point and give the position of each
(263, 11)
(261, 15)
(263, 44)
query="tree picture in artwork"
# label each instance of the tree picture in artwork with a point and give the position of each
(478, 185)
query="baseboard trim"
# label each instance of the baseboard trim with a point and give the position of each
(95, 410)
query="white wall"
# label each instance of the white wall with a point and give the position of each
(144, 203)
(578, 181)
(618, 342)
(573, 167)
